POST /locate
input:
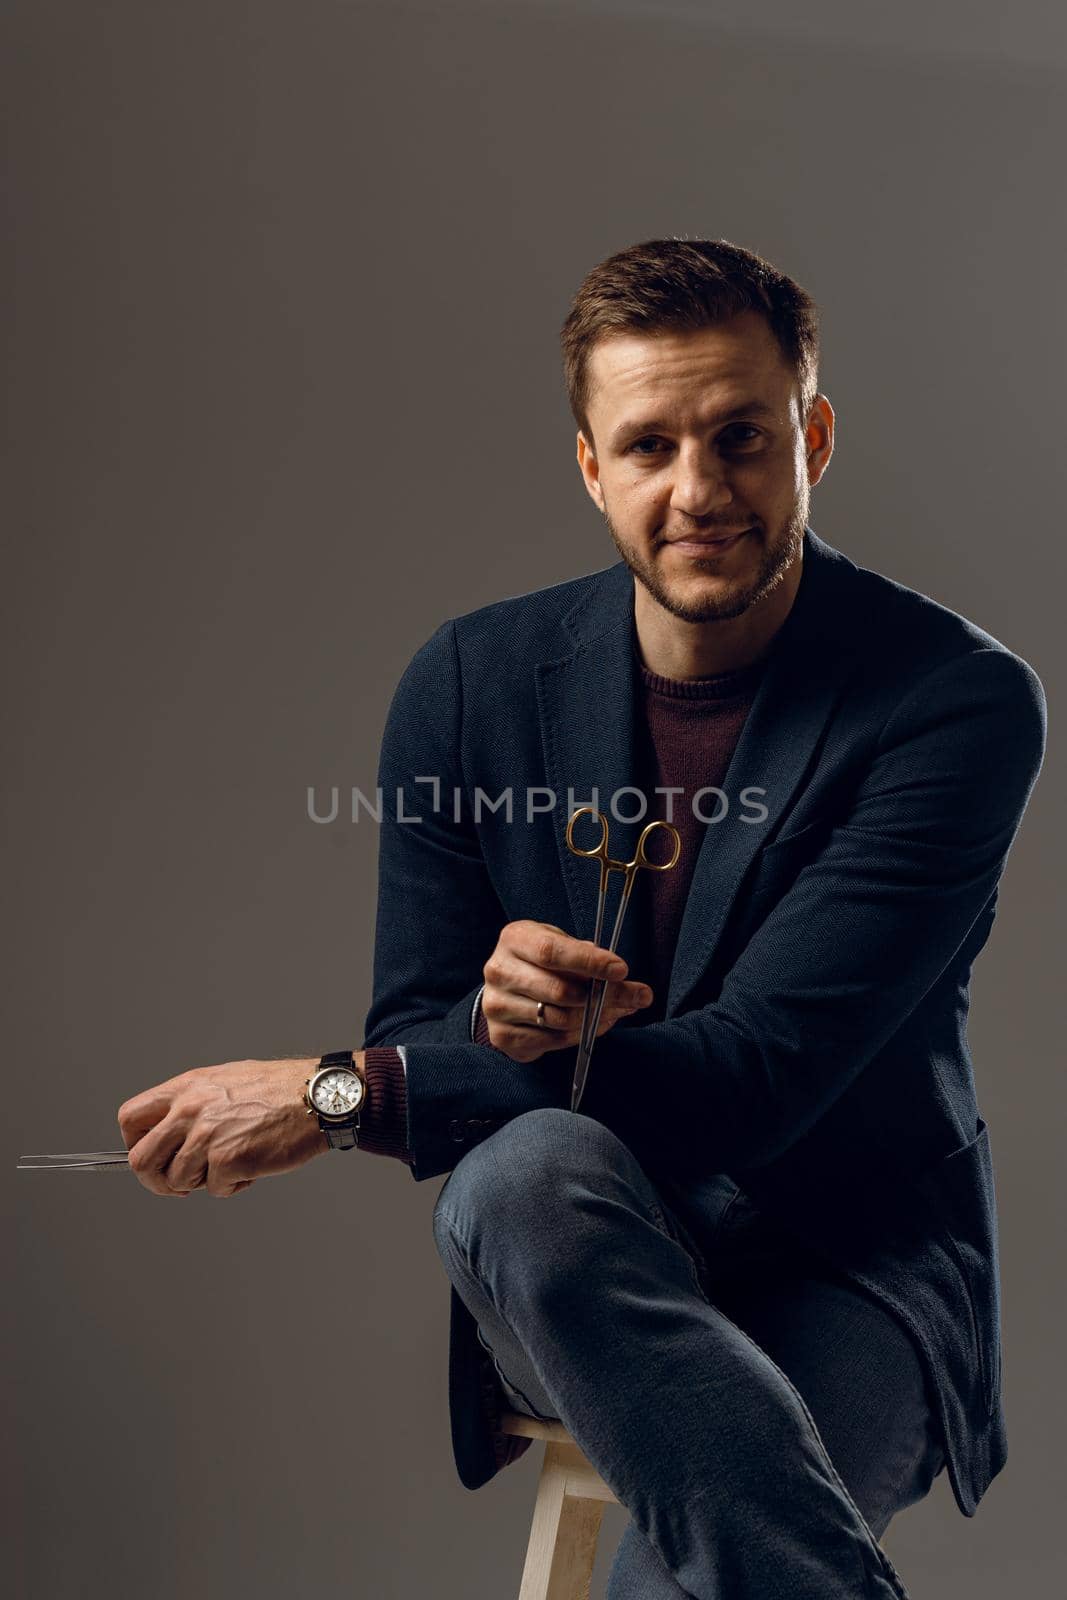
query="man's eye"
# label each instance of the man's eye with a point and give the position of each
(730, 436)
(739, 436)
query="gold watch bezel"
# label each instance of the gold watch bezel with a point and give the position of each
(336, 1116)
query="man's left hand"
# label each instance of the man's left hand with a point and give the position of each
(221, 1128)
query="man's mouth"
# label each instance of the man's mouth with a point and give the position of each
(709, 542)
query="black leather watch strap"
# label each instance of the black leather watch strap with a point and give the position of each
(341, 1138)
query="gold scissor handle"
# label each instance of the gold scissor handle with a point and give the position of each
(599, 852)
(641, 857)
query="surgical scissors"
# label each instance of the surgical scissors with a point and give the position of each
(594, 1000)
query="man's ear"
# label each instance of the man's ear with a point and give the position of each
(590, 467)
(819, 437)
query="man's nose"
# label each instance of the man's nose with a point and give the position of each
(701, 483)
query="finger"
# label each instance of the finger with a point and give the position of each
(224, 1190)
(556, 1019)
(525, 1043)
(138, 1115)
(629, 996)
(543, 945)
(509, 974)
(152, 1154)
(187, 1171)
(611, 1011)
(515, 1033)
(509, 978)
(530, 1009)
(624, 996)
(506, 1009)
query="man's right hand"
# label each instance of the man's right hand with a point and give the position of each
(537, 961)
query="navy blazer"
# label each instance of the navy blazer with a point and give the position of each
(813, 1054)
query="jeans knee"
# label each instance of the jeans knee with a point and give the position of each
(557, 1139)
(522, 1176)
(481, 1182)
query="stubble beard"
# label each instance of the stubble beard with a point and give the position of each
(776, 557)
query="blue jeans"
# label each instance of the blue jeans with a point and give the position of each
(760, 1419)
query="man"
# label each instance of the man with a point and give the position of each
(755, 1274)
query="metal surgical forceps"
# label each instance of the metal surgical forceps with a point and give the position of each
(598, 988)
(83, 1161)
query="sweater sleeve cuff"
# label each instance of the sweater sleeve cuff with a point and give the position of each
(383, 1125)
(481, 1027)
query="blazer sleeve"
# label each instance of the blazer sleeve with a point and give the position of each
(438, 921)
(851, 948)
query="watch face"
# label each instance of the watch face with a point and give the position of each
(336, 1092)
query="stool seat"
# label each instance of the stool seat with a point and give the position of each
(571, 1496)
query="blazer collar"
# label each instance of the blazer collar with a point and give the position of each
(587, 705)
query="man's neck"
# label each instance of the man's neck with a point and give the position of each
(674, 648)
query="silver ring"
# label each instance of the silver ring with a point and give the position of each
(540, 1013)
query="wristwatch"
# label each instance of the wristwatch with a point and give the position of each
(334, 1093)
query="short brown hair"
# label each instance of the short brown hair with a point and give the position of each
(667, 284)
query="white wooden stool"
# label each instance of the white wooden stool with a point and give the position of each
(571, 1496)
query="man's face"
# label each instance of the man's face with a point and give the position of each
(698, 435)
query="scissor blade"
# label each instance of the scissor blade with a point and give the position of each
(590, 1020)
(580, 1072)
(77, 1161)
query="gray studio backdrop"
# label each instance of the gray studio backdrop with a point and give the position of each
(282, 394)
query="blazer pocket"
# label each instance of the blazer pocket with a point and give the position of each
(805, 837)
(776, 864)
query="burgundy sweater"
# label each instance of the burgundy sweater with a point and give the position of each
(686, 738)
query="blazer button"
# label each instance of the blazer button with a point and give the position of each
(456, 1133)
(480, 1124)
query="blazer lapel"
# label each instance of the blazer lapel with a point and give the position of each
(587, 704)
(811, 660)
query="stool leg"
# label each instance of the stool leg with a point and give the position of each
(566, 1524)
